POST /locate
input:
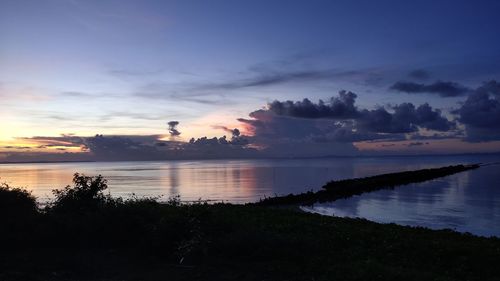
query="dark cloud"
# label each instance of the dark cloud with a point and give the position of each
(302, 129)
(152, 148)
(441, 88)
(491, 87)
(117, 148)
(234, 132)
(16, 147)
(341, 107)
(480, 113)
(237, 139)
(204, 141)
(406, 118)
(419, 74)
(267, 125)
(340, 119)
(380, 120)
(432, 119)
(284, 136)
(339, 122)
(136, 147)
(172, 128)
(62, 141)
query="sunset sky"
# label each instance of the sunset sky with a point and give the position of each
(405, 77)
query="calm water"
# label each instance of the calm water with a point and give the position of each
(468, 201)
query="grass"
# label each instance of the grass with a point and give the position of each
(88, 235)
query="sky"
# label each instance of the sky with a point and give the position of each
(87, 80)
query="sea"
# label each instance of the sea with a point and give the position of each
(465, 202)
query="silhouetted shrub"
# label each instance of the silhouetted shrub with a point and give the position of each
(18, 215)
(16, 203)
(85, 196)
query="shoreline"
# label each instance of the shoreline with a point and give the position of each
(346, 188)
(88, 235)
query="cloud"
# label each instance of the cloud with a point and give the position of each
(236, 140)
(341, 107)
(441, 88)
(133, 148)
(298, 129)
(61, 141)
(491, 87)
(265, 124)
(16, 147)
(405, 118)
(134, 115)
(172, 128)
(309, 69)
(480, 113)
(116, 148)
(340, 120)
(331, 128)
(234, 132)
(191, 93)
(268, 78)
(313, 66)
(79, 94)
(76, 94)
(126, 73)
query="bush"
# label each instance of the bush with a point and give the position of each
(85, 196)
(18, 215)
(16, 203)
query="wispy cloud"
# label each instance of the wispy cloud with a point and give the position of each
(441, 88)
(135, 115)
(128, 73)
(308, 68)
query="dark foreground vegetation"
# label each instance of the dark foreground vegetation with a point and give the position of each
(85, 234)
(346, 188)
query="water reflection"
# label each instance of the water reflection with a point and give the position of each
(466, 202)
(240, 181)
(231, 181)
